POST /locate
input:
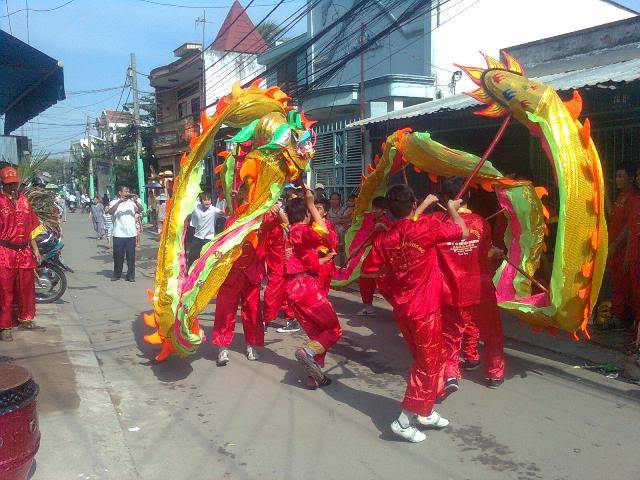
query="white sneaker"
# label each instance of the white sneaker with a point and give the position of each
(223, 357)
(435, 420)
(252, 353)
(366, 312)
(410, 433)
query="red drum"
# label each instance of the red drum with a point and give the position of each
(19, 432)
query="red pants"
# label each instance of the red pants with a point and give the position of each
(424, 340)
(17, 288)
(314, 312)
(470, 341)
(233, 291)
(456, 320)
(275, 298)
(621, 285)
(324, 282)
(367, 289)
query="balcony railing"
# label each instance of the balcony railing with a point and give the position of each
(168, 139)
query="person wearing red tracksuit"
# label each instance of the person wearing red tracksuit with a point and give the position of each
(275, 228)
(19, 255)
(618, 235)
(242, 285)
(632, 263)
(304, 295)
(414, 289)
(380, 223)
(329, 244)
(469, 299)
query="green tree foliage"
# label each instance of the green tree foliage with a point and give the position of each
(124, 148)
(269, 31)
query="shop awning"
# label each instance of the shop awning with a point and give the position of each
(30, 82)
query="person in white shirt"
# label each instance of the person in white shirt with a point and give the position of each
(203, 219)
(124, 210)
(221, 203)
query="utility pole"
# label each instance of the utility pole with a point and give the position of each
(136, 122)
(361, 98)
(91, 185)
(361, 95)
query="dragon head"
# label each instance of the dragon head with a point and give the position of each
(504, 88)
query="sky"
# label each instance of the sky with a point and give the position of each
(93, 39)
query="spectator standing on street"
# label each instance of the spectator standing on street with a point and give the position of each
(96, 216)
(124, 210)
(108, 226)
(161, 211)
(19, 255)
(62, 206)
(203, 220)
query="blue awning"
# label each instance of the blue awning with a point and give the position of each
(30, 82)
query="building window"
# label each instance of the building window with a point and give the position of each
(182, 110)
(188, 91)
(195, 106)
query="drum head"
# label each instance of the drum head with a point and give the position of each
(12, 376)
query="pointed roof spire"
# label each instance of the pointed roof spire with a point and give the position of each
(231, 37)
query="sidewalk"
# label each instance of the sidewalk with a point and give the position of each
(74, 405)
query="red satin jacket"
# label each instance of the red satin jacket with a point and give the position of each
(464, 264)
(273, 238)
(414, 281)
(328, 243)
(301, 250)
(18, 226)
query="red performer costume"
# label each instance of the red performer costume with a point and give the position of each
(242, 285)
(618, 226)
(19, 225)
(469, 302)
(414, 287)
(329, 243)
(275, 293)
(304, 294)
(633, 260)
(368, 284)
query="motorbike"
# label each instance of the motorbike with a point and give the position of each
(72, 205)
(50, 277)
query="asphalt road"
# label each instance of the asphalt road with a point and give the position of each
(108, 411)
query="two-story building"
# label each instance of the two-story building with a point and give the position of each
(178, 91)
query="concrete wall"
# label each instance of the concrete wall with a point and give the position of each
(402, 52)
(468, 26)
(223, 69)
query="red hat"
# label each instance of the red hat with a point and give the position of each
(9, 175)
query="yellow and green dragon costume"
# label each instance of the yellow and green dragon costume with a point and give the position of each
(280, 147)
(581, 241)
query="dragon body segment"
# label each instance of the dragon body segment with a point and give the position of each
(273, 146)
(581, 242)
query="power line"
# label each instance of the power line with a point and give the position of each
(222, 32)
(250, 32)
(33, 9)
(57, 124)
(8, 16)
(292, 20)
(413, 11)
(97, 90)
(26, 4)
(208, 7)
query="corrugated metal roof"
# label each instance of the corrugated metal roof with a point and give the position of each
(617, 72)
